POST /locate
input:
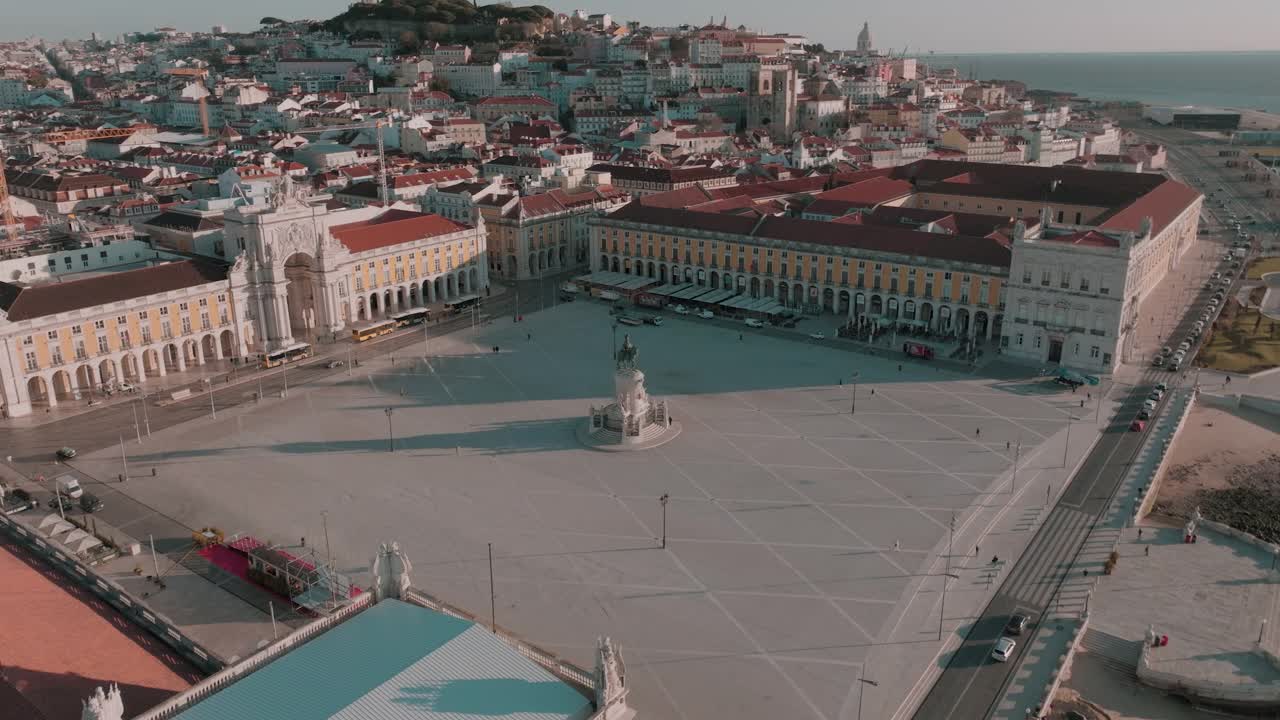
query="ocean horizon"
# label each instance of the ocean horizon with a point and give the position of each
(1238, 79)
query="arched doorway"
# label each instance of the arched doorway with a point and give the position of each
(662, 274)
(615, 265)
(859, 304)
(229, 339)
(742, 285)
(768, 288)
(171, 358)
(439, 296)
(414, 300)
(926, 314)
(374, 305)
(86, 378)
(842, 302)
(107, 372)
(962, 321)
(303, 276)
(997, 326)
(715, 279)
(62, 388)
(38, 390)
(944, 318)
(909, 310)
(877, 305)
(828, 300)
(755, 287)
(471, 280)
(464, 287)
(209, 346)
(784, 294)
(386, 301)
(980, 321)
(891, 308)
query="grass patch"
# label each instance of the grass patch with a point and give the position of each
(1247, 343)
(1262, 266)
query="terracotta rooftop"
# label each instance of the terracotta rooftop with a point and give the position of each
(27, 302)
(393, 227)
(69, 642)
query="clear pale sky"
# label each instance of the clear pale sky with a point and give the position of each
(942, 25)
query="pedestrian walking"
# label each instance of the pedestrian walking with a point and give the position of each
(528, 336)
(739, 337)
(303, 541)
(976, 548)
(1146, 551)
(978, 432)
(995, 559)
(897, 545)
(1228, 380)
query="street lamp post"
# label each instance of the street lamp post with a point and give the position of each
(1067, 445)
(862, 680)
(663, 501)
(391, 438)
(614, 352)
(853, 406)
(1017, 454)
(942, 612)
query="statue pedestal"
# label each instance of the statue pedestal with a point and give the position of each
(634, 421)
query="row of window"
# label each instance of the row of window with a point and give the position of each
(1064, 280)
(123, 320)
(1094, 352)
(104, 347)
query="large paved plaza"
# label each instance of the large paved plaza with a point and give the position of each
(796, 530)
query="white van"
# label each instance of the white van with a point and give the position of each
(69, 486)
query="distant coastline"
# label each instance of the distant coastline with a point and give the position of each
(1240, 79)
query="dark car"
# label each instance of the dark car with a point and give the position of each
(1017, 624)
(1144, 414)
(66, 453)
(66, 503)
(90, 503)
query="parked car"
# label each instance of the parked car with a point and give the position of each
(817, 335)
(1157, 361)
(680, 310)
(1174, 365)
(90, 503)
(1144, 414)
(334, 364)
(754, 323)
(1216, 275)
(1162, 387)
(66, 503)
(1149, 404)
(1017, 623)
(126, 387)
(66, 453)
(655, 320)
(1138, 425)
(68, 485)
(706, 314)
(1003, 649)
(1166, 350)
(1155, 395)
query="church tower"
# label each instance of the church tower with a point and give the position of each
(864, 39)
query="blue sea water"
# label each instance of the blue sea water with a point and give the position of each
(1238, 79)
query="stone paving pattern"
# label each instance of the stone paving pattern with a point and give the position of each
(799, 536)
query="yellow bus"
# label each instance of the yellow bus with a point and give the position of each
(360, 333)
(297, 351)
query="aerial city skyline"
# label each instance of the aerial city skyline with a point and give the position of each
(421, 356)
(980, 26)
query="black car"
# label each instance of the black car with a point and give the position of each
(1017, 624)
(67, 504)
(90, 503)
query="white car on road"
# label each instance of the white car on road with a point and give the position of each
(706, 314)
(754, 323)
(680, 310)
(817, 335)
(1003, 649)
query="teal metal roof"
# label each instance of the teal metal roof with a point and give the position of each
(397, 661)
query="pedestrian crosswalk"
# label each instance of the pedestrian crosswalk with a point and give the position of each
(1049, 557)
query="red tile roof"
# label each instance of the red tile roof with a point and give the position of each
(26, 302)
(393, 227)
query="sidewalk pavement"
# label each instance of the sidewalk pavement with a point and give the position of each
(1025, 693)
(1074, 597)
(908, 658)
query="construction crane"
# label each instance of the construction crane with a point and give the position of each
(6, 210)
(378, 125)
(204, 116)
